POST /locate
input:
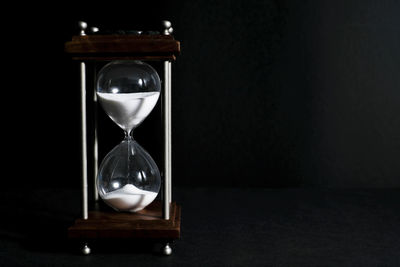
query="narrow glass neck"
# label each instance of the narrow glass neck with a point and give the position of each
(128, 135)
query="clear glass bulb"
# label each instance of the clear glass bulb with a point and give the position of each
(128, 92)
(128, 178)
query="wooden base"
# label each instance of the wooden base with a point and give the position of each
(147, 223)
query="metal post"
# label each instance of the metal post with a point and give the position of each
(82, 25)
(84, 141)
(166, 100)
(166, 125)
(169, 135)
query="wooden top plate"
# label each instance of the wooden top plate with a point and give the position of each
(111, 47)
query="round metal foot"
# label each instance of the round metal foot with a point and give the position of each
(86, 250)
(167, 250)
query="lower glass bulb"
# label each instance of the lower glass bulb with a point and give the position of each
(128, 178)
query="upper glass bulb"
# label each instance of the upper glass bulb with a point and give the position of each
(128, 91)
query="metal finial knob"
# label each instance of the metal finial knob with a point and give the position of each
(82, 26)
(166, 250)
(167, 27)
(166, 23)
(86, 250)
(94, 29)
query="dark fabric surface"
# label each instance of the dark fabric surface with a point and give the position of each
(220, 227)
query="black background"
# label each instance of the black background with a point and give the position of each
(267, 96)
(265, 93)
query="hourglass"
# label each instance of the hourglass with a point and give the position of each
(128, 179)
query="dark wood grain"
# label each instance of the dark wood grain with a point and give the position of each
(108, 47)
(147, 223)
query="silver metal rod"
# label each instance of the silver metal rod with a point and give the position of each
(169, 133)
(95, 142)
(84, 142)
(166, 125)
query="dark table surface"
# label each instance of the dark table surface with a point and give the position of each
(220, 227)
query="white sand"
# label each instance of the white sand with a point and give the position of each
(128, 110)
(129, 198)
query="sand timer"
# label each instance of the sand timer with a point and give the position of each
(128, 178)
(127, 88)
